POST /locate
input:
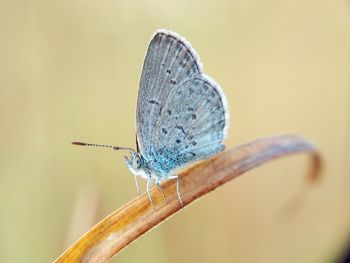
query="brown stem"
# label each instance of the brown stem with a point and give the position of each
(138, 216)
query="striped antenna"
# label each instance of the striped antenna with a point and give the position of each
(116, 148)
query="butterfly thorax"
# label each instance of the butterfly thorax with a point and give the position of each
(146, 169)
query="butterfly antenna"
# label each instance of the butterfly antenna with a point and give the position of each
(116, 148)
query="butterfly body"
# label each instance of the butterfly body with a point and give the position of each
(156, 169)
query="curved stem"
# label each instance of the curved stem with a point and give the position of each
(138, 216)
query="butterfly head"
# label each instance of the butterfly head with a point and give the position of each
(136, 164)
(134, 161)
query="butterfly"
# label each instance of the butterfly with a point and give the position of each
(181, 114)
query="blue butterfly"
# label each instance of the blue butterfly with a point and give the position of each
(181, 114)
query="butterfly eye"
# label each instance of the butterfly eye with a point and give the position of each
(136, 163)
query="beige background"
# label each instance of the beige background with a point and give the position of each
(70, 71)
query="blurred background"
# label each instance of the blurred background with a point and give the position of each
(70, 71)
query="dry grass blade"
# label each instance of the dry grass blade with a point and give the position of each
(138, 216)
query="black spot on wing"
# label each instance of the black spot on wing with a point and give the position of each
(160, 110)
(180, 128)
(154, 102)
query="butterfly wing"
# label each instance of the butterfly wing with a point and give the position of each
(169, 61)
(181, 113)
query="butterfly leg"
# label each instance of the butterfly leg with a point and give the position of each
(136, 182)
(177, 188)
(137, 185)
(149, 182)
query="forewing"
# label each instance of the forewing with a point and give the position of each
(191, 125)
(169, 62)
